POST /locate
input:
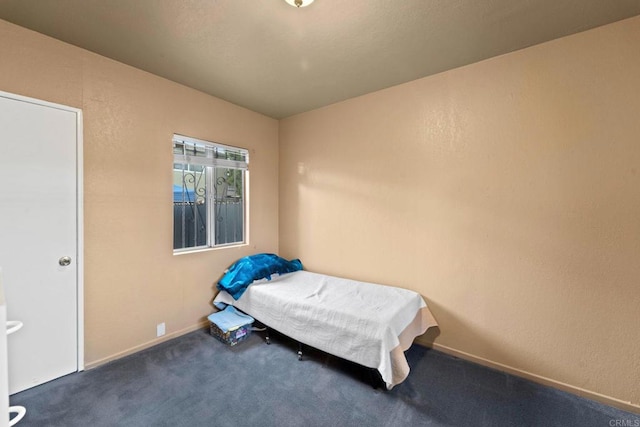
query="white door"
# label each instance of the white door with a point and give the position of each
(39, 229)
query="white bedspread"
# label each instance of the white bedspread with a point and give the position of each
(362, 322)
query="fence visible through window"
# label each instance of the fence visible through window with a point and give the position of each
(208, 194)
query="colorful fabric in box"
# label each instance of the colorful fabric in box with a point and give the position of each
(255, 267)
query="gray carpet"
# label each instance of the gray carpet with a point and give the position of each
(195, 380)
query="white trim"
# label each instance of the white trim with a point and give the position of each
(80, 236)
(247, 208)
(35, 101)
(79, 211)
(4, 370)
(211, 207)
(207, 249)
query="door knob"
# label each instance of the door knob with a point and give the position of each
(64, 261)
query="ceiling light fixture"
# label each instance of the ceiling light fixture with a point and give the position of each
(299, 3)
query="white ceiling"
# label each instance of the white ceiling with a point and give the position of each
(278, 60)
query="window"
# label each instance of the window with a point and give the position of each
(210, 182)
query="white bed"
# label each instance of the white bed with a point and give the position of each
(362, 322)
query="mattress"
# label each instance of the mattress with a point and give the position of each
(366, 323)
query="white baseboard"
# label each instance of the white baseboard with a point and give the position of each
(132, 350)
(607, 400)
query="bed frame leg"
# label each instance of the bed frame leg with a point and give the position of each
(299, 351)
(267, 338)
(373, 378)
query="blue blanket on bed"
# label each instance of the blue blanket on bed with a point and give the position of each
(254, 267)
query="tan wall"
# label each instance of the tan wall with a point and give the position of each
(506, 192)
(132, 280)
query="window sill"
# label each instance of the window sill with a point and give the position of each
(216, 248)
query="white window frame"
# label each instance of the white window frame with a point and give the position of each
(211, 162)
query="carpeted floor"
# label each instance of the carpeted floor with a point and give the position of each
(195, 380)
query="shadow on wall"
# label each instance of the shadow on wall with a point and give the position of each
(428, 338)
(460, 331)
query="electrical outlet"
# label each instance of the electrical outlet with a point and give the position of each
(160, 329)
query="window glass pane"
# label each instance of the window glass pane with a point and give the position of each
(228, 205)
(189, 206)
(209, 186)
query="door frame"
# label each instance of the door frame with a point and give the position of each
(79, 216)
